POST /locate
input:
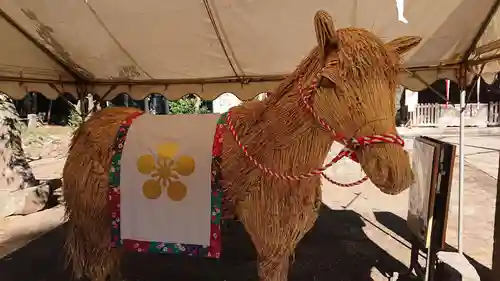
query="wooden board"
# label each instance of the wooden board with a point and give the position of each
(432, 164)
(425, 159)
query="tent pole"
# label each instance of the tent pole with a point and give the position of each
(478, 91)
(461, 162)
(461, 173)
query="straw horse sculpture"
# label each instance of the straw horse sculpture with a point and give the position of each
(346, 85)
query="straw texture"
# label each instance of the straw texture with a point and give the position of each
(357, 100)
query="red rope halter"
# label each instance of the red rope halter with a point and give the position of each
(348, 151)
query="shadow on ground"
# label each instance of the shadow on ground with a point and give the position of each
(335, 249)
(398, 226)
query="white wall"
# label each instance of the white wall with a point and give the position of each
(227, 100)
(224, 102)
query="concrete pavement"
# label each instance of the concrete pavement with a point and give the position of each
(482, 148)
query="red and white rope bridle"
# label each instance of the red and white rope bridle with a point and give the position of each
(348, 151)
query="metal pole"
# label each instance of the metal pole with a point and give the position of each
(447, 92)
(478, 91)
(155, 105)
(146, 104)
(461, 173)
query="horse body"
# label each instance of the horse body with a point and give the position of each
(356, 77)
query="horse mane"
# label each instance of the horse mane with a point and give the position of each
(285, 96)
(308, 66)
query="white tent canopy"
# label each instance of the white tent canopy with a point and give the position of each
(210, 47)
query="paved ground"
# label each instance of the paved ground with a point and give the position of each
(361, 234)
(384, 213)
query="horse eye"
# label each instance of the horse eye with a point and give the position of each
(326, 83)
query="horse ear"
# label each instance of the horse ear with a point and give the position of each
(404, 44)
(325, 32)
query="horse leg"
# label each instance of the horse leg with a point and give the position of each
(274, 268)
(89, 222)
(276, 230)
(89, 259)
(88, 252)
(105, 267)
(74, 251)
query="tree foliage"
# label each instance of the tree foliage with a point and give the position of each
(187, 105)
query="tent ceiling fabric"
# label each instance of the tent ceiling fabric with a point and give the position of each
(133, 43)
(488, 46)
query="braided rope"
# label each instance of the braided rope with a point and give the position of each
(350, 184)
(347, 151)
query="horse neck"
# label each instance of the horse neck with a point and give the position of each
(281, 130)
(293, 125)
(282, 124)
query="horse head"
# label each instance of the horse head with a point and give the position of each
(354, 94)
